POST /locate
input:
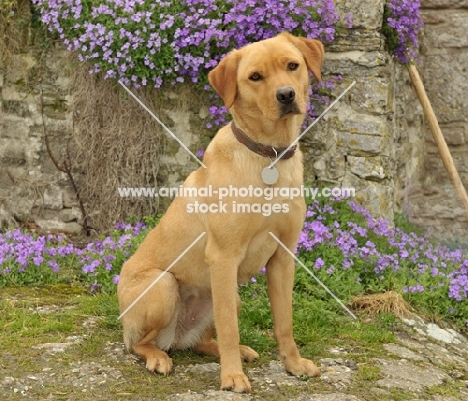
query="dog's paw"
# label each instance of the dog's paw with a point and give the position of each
(239, 383)
(247, 353)
(301, 367)
(160, 364)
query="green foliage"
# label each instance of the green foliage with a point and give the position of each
(391, 35)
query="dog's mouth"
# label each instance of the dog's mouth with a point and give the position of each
(289, 109)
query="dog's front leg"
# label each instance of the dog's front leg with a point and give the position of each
(280, 278)
(223, 271)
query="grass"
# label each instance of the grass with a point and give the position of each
(21, 328)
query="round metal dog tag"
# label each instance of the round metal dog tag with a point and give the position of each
(270, 175)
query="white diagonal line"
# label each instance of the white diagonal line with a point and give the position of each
(162, 124)
(161, 275)
(314, 276)
(311, 125)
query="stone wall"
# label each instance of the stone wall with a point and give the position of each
(36, 110)
(354, 147)
(373, 140)
(424, 190)
(31, 187)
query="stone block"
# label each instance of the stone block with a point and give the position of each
(443, 4)
(431, 149)
(317, 140)
(52, 197)
(358, 144)
(369, 168)
(6, 218)
(33, 148)
(448, 31)
(19, 67)
(343, 118)
(12, 152)
(56, 225)
(447, 86)
(330, 167)
(355, 39)
(13, 128)
(372, 95)
(17, 107)
(460, 160)
(454, 135)
(68, 197)
(69, 214)
(377, 197)
(347, 59)
(366, 14)
(11, 93)
(21, 204)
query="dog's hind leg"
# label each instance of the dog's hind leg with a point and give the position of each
(149, 326)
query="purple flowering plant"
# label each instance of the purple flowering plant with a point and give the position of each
(401, 24)
(154, 42)
(27, 259)
(354, 254)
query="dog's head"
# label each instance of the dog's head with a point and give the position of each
(270, 77)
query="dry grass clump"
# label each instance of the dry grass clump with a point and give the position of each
(116, 144)
(387, 302)
(11, 33)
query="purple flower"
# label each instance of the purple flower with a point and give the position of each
(416, 288)
(95, 287)
(405, 20)
(54, 265)
(157, 42)
(91, 267)
(38, 260)
(319, 263)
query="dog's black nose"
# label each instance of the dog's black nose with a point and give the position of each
(285, 95)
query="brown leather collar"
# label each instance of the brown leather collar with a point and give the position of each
(259, 148)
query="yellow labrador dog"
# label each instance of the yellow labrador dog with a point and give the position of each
(265, 87)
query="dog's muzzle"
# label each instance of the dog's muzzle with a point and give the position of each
(286, 96)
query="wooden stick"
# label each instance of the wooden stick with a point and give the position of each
(438, 137)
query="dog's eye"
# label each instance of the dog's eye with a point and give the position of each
(255, 77)
(293, 66)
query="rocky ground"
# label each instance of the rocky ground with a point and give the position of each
(426, 363)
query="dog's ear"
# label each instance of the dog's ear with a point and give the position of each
(313, 52)
(224, 78)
